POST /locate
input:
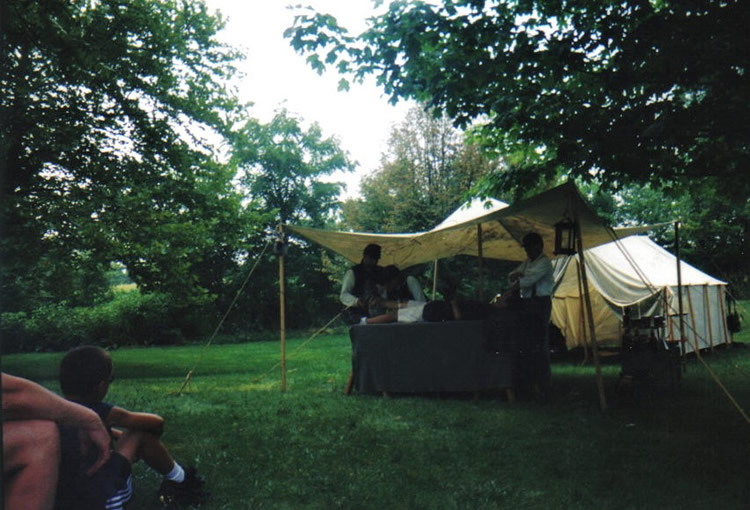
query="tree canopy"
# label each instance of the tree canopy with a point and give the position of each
(109, 119)
(282, 165)
(426, 172)
(628, 91)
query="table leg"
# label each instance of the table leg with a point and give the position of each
(349, 384)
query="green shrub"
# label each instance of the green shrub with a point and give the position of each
(129, 319)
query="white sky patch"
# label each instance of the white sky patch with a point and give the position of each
(277, 77)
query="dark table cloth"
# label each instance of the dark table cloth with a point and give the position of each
(455, 356)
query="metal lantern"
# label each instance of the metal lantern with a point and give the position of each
(565, 237)
(280, 248)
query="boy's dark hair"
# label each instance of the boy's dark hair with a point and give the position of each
(83, 368)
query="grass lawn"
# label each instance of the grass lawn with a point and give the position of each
(313, 447)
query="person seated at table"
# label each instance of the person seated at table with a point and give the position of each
(399, 288)
(412, 311)
(438, 311)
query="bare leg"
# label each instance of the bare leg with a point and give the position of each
(456, 309)
(30, 464)
(389, 316)
(135, 445)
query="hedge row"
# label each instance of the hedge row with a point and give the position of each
(130, 319)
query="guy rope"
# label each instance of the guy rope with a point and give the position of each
(221, 322)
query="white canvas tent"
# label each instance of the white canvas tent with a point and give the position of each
(636, 272)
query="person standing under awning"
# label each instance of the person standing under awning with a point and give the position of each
(534, 281)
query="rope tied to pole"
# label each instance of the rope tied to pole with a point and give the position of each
(303, 344)
(631, 260)
(223, 319)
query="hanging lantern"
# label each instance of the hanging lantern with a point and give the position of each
(565, 237)
(280, 248)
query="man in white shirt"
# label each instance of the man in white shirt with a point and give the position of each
(535, 281)
(534, 277)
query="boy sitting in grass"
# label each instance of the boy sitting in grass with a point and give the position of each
(85, 375)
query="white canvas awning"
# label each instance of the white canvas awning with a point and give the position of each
(502, 228)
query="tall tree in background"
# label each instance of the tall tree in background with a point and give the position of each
(282, 166)
(627, 91)
(109, 114)
(426, 173)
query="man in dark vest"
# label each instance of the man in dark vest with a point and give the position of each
(359, 287)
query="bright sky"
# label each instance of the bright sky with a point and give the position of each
(277, 77)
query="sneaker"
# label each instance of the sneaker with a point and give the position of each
(189, 492)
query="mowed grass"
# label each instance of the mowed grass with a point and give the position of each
(313, 447)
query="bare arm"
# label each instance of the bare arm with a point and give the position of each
(26, 400)
(389, 316)
(147, 422)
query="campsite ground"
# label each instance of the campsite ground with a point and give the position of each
(313, 447)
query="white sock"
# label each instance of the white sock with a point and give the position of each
(177, 474)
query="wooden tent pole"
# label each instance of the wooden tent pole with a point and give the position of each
(692, 320)
(583, 317)
(2, 417)
(481, 262)
(708, 317)
(720, 290)
(680, 311)
(434, 279)
(666, 313)
(589, 312)
(282, 308)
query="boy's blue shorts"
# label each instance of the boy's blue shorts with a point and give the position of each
(111, 487)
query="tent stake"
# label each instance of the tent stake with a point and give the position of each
(590, 314)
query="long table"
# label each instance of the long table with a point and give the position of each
(454, 356)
